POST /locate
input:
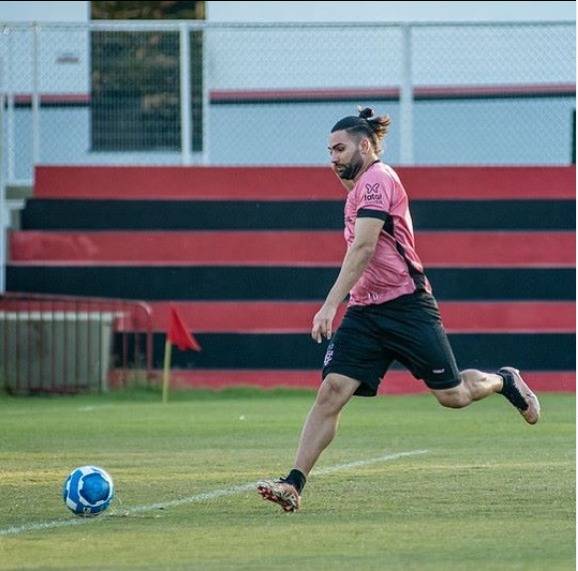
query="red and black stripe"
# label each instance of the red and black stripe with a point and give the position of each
(535, 351)
(277, 283)
(321, 248)
(483, 215)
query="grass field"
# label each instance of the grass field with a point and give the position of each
(490, 493)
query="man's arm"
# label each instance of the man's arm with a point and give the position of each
(356, 259)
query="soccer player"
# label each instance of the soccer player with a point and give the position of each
(391, 314)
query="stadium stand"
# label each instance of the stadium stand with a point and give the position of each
(247, 255)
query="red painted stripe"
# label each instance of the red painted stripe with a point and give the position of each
(530, 90)
(236, 248)
(296, 317)
(420, 92)
(497, 249)
(395, 382)
(54, 99)
(509, 317)
(296, 183)
(243, 95)
(282, 248)
(188, 183)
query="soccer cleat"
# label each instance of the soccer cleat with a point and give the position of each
(280, 492)
(520, 395)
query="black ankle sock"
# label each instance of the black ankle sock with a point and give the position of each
(296, 478)
(506, 382)
(511, 392)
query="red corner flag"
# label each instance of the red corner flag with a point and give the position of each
(179, 335)
(176, 335)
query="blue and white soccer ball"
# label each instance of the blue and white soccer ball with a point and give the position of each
(88, 491)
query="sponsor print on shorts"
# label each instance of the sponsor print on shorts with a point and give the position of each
(328, 355)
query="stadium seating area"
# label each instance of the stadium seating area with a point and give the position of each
(248, 254)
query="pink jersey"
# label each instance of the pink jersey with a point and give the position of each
(395, 268)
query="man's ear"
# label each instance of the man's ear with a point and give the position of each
(365, 145)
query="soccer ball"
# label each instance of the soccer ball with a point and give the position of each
(88, 491)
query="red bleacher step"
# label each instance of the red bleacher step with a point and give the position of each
(281, 248)
(296, 317)
(296, 183)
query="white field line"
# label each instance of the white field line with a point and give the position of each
(205, 496)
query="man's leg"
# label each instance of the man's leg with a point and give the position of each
(476, 385)
(321, 423)
(318, 432)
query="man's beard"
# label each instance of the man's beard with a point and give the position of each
(351, 170)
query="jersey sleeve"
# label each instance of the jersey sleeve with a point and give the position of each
(374, 196)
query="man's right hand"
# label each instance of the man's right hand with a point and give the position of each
(323, 323)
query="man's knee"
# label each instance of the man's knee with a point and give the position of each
(334, 392)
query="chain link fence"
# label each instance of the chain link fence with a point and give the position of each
(511, 95)
(233, 94)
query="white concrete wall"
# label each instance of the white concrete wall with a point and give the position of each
(319, 11)
(360, 11)
(44, 11)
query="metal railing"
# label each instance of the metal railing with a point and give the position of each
(66, 344)
(205, 93)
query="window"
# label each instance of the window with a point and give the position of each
(135, 79)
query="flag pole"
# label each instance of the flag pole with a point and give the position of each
(167, 371)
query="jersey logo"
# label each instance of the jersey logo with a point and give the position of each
(372, 192)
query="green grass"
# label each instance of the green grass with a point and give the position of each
(491, 493)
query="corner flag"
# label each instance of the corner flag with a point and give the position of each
(178, 335)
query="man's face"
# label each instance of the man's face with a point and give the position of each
(346, 156)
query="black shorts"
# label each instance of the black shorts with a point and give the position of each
(407, 329)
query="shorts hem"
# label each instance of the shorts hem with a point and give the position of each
(443, 385)
(367, 388)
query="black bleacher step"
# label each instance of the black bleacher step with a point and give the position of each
(270, 283)
(49, 214)
(298, 351)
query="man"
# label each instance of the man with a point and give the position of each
(391, 313)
